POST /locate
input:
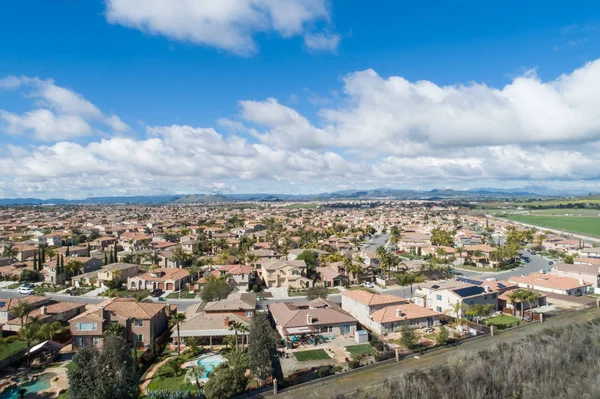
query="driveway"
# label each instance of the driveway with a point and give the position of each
(536, 263)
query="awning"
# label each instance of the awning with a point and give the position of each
(300, 330)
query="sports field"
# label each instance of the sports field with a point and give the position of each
(574, 224)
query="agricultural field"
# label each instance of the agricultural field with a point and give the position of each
(574, 224)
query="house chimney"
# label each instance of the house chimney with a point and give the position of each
(398, 312)
(44, 310)
(309, 319)
(226, 321)
(101, 311)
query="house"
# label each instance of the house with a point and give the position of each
(587, 273)
(87, 265)
(590, 252)
(362, 304)
(45, 310)
(481, 255)
(285, 273)
(238, 276)
(507, 306)
(443, 296)
(215, 319)
(332, 275)
(392, 318)
(587, 261)
(141, 321)
(553, 284)
(114, 271)
(319, 316)
(167, 279)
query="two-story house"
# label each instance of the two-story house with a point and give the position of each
(142, 322)
(444, 296)
(118, 272)
(45, 310)
(285, 273)
(160, 278)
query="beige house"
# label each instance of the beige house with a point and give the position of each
(142, 322)
(362, 304)
(285, 273)
(553, 284)
(45, 310)
(167, 279)
(114, 271)
(317, 317)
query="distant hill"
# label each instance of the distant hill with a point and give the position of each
(379, 193)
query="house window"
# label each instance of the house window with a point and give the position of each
(138, 323)
(295, 272)
(494, 296)
(96, 340)
(438, 297)
(139, 337)
(86, 326)
(3, 314)
(249, 313)
(438, 309)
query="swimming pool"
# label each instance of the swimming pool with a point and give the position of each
(209, 363)
(33, 387)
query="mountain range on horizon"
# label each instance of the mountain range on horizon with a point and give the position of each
(380, 193)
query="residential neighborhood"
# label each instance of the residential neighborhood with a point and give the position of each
(339, 287)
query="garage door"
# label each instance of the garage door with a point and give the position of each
(169, 286)
(161, 286)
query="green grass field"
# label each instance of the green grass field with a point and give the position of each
(317, 354)
(503, 320)
(357, 350)
(581, 225)
(7, 350)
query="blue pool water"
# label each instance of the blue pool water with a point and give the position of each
(209, 363)
(34, 387)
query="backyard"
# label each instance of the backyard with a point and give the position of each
(184, 295)
(504, 320)
(8, 349)
(317, 354)
(358, 350)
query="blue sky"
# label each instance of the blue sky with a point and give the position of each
(168, 80)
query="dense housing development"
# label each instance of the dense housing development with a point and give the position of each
(337, 285)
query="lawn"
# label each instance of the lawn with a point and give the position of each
(573, 224)
(504, 320)
(357, 350)
(130, 294)
(7, 350)
(483, 269)
(184, 295)
(330, 291)
(317, 354)
(14, 286)
(165, 379)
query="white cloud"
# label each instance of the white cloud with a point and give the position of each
(226, 24)
(383, 132)
(64, 114)
(322, 41)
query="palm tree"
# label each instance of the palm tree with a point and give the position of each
(237, 359)
(49, 331)
(244, 329)
(514, 297)
(458, 308)
(29, 332)
(196, 373)
(115, 328)
(234, 326)
(22, 311)
(531, 297)
(409, 278)
(176, 321)
(74, 267)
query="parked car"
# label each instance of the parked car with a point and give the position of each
(369, 285)
(550, 263)
(156, 293)
(26, 285)
(25, 291)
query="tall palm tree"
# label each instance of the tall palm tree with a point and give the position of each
(244, 329)
(458, 308)
(30, 332)
(234, 326)
(22, 311)
(514, 297)
(49, 331)
(532, 297)
(176, 321)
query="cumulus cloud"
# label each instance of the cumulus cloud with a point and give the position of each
(63, 113)
(225, 24)
(383, 132)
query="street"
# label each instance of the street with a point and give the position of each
(536, 263)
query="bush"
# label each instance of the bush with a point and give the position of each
(323, 371)
(316, 292)
(385, 355)
(354, 364)
(376, 343)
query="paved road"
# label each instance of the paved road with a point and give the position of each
(182, 304)
(536, 263)
(348, 384)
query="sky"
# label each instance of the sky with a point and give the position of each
(146, 97)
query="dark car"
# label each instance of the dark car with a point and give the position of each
(156, 293)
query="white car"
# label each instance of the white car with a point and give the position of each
(369, 285)
(25, 291)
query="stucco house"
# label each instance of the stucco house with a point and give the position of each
(167, 279)
(285, 273)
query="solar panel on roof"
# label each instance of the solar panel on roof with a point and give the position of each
(468, 281)
(500, 285)
(435, 286)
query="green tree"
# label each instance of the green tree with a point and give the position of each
(316, 292)
(175, 365)
(309, 257)
(115, 328)
(216, 289)
(176, 321)
(49, 331)
(409, 336)
(196, 373)
(442, 336)
(224, 382)
(262, 347)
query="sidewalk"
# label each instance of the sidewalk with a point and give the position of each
(151, 373)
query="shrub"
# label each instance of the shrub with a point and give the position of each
(376, 343)
(323, 371)
(354, 364)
